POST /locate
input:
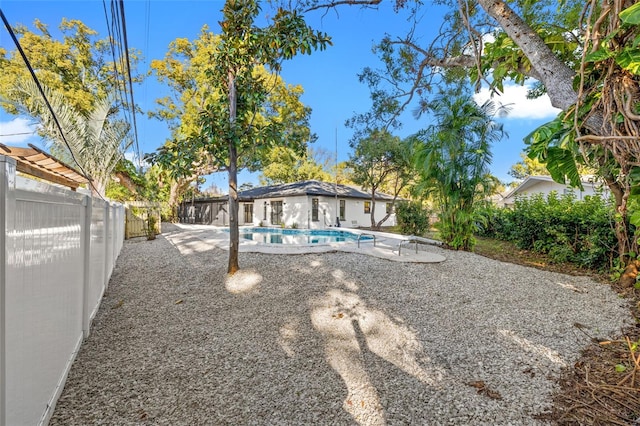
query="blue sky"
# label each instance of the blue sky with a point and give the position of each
(329, 78)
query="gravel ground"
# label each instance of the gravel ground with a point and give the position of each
(335, 338)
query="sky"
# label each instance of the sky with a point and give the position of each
(329, 78)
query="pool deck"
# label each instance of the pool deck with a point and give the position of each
(386, 245)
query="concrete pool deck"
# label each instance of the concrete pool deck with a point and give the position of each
(386, 245)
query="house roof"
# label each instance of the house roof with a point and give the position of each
(531, 181)
(38, 163)
(309, 187)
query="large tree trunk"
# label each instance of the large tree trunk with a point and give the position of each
(234, 234)
(373, 208)
(558, 78)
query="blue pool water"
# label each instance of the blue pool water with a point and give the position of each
(298, 236)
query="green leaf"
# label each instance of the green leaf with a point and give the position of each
(629, 59)
(620, 368)
(599, 55)
(634, 219)
(562, 166)
(631, 15)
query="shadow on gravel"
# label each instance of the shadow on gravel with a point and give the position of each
(334, 338)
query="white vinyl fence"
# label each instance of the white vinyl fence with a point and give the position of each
(58, 249)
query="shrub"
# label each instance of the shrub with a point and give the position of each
(151, 225)
(565, 229)
(493, 222)
(412, 218)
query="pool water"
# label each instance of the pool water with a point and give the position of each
(298, 236)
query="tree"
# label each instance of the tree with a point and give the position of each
(187, 69)
(527, 167)
(452, 157)
(96, 141)
(284, 165)
(380, 162)
(78, 66)
(583, 55)
(237, 121)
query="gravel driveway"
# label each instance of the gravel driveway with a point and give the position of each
(331, 339)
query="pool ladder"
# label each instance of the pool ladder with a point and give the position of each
(369, 235)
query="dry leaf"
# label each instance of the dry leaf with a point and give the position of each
(477, 384)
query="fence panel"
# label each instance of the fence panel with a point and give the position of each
(97, 255)
(137, 214)
(57, 255)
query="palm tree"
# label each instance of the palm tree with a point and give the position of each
(94, 141)
(453, 157)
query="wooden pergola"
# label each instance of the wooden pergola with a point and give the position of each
(35, 162)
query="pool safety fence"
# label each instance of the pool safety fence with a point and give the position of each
(59, 248)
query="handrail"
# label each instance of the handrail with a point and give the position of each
(370, 235)
(415, 240)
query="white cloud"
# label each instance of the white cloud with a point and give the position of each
(515, 97)
(16, 131)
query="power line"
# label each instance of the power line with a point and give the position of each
(126, 52)
(117, 90)
(116, 28)
(18, 134)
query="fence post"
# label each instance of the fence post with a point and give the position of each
(7, 208)
(87, 203)
(107, 230)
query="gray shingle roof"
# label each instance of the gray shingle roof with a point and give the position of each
(309, 187)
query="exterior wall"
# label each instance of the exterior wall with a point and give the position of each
(356, 217)
(57, 251)
(297, 212)
(546, 187)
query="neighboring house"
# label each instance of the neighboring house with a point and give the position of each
(545, 185)
(309, 204)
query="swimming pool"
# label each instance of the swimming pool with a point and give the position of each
(298, 236)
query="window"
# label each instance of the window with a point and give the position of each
(248, 213)
(343, 208)
(276, 212)
(314, 209)
(367, 206)
(389, 208)
(264, 211)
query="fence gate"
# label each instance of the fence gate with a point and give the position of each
(137, 218)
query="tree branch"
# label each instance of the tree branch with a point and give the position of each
(336, 3)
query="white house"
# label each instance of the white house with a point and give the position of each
(313, 205)
(545, 185)
(309, 204)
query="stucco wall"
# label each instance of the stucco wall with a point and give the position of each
(297, 211)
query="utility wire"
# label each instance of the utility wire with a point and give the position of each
(17, 134)
(126, 52)
(117, 38)
(46, 101)
(114, 36)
